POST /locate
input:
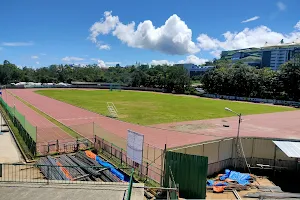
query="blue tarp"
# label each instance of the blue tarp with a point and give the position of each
(216, 183)
(111, 168)
(241, 178)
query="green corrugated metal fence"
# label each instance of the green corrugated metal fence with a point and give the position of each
(26, 130)
(189, 172)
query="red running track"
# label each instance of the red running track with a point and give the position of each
(72, 115)
(271, 125)
(46, 130)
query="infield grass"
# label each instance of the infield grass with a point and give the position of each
(149, 108)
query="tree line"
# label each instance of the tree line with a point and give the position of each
(236, 79)
(171, 78)
(245, 81)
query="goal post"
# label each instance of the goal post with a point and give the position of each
(115, 86)
(113, 112)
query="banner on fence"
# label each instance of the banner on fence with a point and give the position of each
(135, 143)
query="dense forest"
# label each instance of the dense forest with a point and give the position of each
(242, 80)
(236, 79)
(172, 78)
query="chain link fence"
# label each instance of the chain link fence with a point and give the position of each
(26, 130)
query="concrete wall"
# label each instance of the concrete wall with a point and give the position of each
(221, 154)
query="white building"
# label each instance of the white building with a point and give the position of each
(275, 56)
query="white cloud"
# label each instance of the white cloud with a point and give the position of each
(104, 26)
(256, 37)
(43, 54)
(281, 6)
(70, 59)
(297, 26)
(37, 62)
(174, 37)
(104, 46)
(161, 62)
(191, 59)
(34, 57)
(216, 53)
(17, 44)
(101, 64)
(112, 63)
(251, 19)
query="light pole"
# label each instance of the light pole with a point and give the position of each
(238, 132)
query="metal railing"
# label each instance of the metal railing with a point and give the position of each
(64, 146)
(37, 173)
(149, 170)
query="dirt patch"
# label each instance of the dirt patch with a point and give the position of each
(192, 127)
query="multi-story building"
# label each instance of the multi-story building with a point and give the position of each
(269, 56)
(195, 70)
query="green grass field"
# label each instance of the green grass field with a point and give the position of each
(148, 108)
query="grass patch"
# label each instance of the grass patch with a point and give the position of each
(147, 108)
(57, 123)
(16, 133)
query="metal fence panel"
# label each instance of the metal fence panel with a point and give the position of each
(148, 169)
(19, 117)
(189, 171)
(31, 130)
(19, 122)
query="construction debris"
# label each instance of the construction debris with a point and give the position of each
(269, 188)
(78, 167)
(231, 180)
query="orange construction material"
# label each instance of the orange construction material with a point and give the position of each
(65, 171)
(219, 189)
(90, 154)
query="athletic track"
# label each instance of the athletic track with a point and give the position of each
(273, 125)
(72, 116)
(46, 130)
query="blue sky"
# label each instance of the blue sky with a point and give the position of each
(39, 33)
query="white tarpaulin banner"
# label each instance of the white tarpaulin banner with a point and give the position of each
(135, 143)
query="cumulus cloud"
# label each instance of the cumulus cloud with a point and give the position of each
(101, 63)
(256, 37)
(281, 6)
(297, 26)
(34, 57)
(104, 46)
(161, 62)
(174, 37)
(104, 26)
(216, 53)
(17, 44)
(191, 59)
(71, 59)
(251, 19)
(112, 63)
